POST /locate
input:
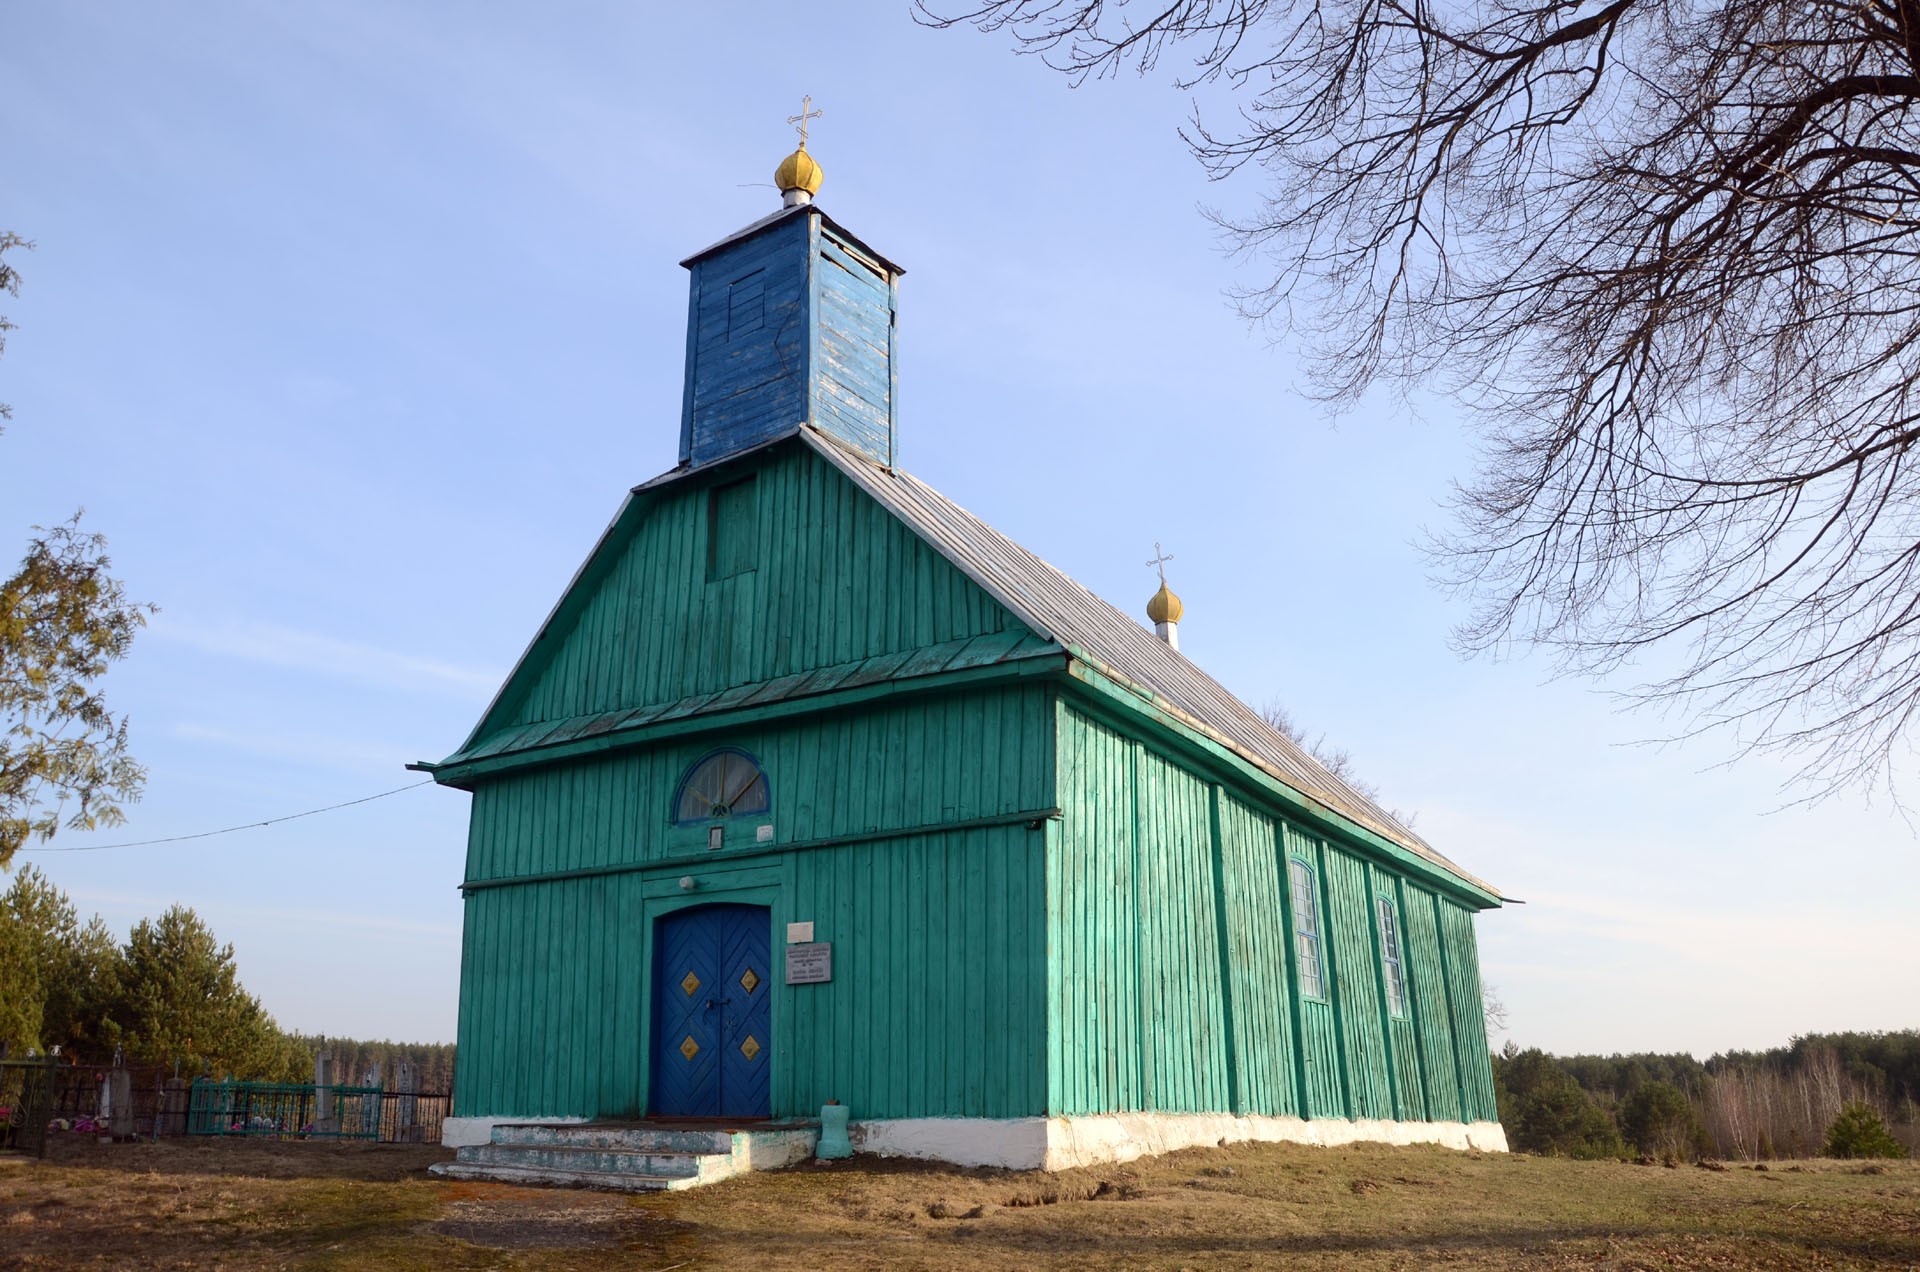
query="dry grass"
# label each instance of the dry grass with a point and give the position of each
(220, 1205)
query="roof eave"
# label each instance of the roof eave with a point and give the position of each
(787, 214)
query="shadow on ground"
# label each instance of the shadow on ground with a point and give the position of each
(260, 1159)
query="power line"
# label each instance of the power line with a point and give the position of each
(208, 834)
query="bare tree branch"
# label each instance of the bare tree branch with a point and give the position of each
(1667, 251)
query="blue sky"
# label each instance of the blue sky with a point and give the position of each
(349, 324)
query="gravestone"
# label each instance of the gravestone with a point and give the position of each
(324, 1121)
(171, 1117)
(370, 1103)
(116, 1099)
(406, 1080)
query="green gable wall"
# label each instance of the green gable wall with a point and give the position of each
(835, 578)
(1172, 984)
(941, 795)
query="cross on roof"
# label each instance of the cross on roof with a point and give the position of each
(800, 121)
(1159, 561)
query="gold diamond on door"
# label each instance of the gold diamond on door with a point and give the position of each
(748, 981)
(690, 984)
(689, 1047)
(750, 1048)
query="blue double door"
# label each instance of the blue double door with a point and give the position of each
(712, 1020)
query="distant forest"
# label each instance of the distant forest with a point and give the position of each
(1747, 1105)
(352, 1059)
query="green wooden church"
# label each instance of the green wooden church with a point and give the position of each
(815, 787)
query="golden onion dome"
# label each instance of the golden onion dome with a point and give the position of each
(1165, 607)
(798, 171)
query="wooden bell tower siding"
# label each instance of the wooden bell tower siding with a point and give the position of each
(1082, 902)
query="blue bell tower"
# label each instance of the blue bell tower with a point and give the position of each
(790, 321)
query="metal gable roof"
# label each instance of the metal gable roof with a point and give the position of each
(773, 218)
(1054, 605)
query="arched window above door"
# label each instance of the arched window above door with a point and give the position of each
(719, 786)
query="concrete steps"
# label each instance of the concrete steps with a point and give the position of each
(632, 1157)
(542, 1177)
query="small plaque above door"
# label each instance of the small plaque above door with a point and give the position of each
(810, 964)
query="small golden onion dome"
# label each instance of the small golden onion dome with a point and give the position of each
(1165, 607)
(798, 171)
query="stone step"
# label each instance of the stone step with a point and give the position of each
(543, 1178)
(629, 1139)
(568, 1157)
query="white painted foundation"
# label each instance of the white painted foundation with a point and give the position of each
(1061, 1143)
(466, 1132)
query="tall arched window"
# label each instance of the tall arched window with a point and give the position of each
(724, 784)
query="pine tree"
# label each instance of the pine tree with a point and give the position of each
(1860, 1131)
(180, 998)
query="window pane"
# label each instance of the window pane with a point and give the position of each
(1390, 958)
(1306, 927)
(1309, 966)
(723, 785)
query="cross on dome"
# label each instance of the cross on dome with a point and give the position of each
(800, 121)
(798, 176)
(1165, 608)
(1160, 560)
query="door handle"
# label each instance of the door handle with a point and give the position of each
(717, 1002)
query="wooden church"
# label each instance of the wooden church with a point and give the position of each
(815, 787)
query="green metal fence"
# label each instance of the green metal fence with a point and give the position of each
(283, 1109)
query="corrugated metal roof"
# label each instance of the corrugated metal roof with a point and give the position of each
(1054, 605)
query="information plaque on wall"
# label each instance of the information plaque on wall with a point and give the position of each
(810, 963)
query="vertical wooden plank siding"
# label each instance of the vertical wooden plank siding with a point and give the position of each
(1432, 1008)
(551, 1007)
(1469, 1012)
(1320, 1055)
(544, 977)
(1173, 975)
(1409, 1088)
(915, 1025)
(1260, 979)
(853, 377)
(1138, 1003)
(837, 579)
(793, 323)
(1356, 986)
(1181, 996)
(891, 765)
(962, 912)
(747, 364)
(1095, 1028)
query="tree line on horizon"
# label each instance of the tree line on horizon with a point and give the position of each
(1854, 1094)
(168, 997)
